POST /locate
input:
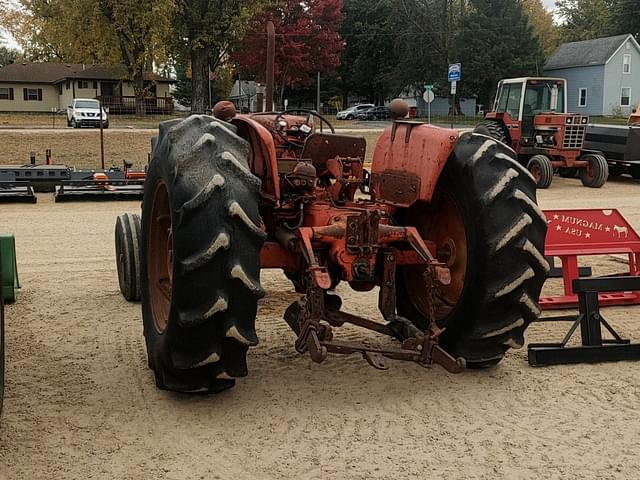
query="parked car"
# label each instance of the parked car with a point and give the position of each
(352, 112)
(86, 112)
(375, 113)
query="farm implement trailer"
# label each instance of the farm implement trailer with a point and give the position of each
(20, 183)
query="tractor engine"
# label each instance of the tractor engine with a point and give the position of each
(559, 131)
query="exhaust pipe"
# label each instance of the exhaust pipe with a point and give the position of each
(271, 60)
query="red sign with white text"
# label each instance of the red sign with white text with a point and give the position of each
(575, 233)
(589, 232)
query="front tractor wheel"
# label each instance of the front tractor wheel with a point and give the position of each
(201, 241)
(493, 129)
(596, 173)
(489, 230)
(542, 170)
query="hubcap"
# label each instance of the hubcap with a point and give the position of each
(590, 169)
(160, 257)
(535, 171)
(442, 223)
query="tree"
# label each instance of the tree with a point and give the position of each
(48, 30)
(368, 59)
(541, 21)
(205, 31)
(584, 19)
(307, 42)
(139, 28)
(625, 17)
(496, 42)
(7, 56)
(131, 32)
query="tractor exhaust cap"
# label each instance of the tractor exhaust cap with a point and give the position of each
(224, 110)
(399, 109)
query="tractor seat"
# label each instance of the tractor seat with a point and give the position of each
(321, 147)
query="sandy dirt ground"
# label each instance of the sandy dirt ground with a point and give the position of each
(81, 404)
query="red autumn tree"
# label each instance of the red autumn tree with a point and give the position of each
(307, 42)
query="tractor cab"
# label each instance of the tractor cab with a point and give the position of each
(524, 104)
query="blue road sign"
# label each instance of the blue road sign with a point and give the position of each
(455, 72)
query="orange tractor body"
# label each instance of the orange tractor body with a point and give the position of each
(446, 226)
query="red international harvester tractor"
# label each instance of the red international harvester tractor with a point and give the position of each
(529, 115)
(446, 226)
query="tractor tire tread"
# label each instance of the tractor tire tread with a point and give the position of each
(127, 240)
(494, 130)
(216, 285)
(546, 169)
(600, 167)
(503, 283)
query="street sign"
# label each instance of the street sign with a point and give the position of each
(428, 96)
(428, 87)
(454, 86)
(455, 72)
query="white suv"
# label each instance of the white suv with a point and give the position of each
(86, 111)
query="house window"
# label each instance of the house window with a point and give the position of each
(6, 93)
(32, 94)
(83, 84)
(582, 97)
(626, 63)
(95, 84)
(625, 97)
(68, 84)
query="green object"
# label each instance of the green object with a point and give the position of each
(428, 87)
(9, 267)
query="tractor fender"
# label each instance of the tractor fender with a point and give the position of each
(408, 160)
(263, 159)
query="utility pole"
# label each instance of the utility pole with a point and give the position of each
(318, 95)
(209, 82)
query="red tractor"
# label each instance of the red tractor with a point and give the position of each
(529, 116)
(446, 226)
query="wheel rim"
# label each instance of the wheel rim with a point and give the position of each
(441, 222)
(589, 170)
(536, 171)
(160, 257)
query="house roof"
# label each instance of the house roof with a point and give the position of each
(58, 72)
(587, 53)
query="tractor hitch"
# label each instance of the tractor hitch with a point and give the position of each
(316, 338)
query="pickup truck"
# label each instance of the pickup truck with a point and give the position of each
(86, 112)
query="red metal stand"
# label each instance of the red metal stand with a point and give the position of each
(575, 233)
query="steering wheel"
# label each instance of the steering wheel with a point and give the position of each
(303, 130)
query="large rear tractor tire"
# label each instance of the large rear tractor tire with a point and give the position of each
(596, 173)
(493, 129)
(489, 230)
(201, 241)
(542, 170)
(127, 233)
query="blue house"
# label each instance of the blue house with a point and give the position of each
(603, 75)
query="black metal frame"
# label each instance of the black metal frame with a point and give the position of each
(556, 272)
(594, 348)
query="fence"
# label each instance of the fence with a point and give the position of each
(126, 105)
